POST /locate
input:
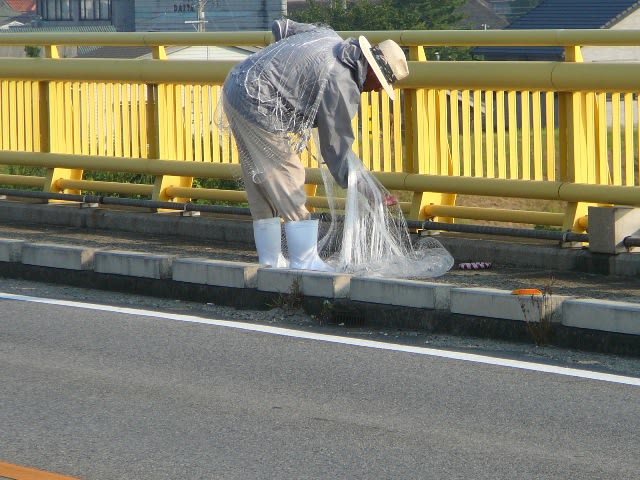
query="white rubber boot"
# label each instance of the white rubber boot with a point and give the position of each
(302, 244)
(267, 234)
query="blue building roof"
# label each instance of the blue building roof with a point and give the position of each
(559, 14)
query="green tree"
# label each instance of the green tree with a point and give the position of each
(382, 14)
(428, 14)
(32, 51)
(362, 15)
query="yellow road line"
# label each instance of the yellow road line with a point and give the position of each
(18, 472)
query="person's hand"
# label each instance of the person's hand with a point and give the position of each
(373, 198)
(390, 200)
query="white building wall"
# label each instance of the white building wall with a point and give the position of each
(616, 54)
(209, 53)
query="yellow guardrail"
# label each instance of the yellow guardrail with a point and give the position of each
(564, 131)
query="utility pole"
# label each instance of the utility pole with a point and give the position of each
(200, 22)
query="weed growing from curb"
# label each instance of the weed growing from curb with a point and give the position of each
(291, 300)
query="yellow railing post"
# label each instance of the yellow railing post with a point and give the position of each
(574, 143)
(53, 129)
(311, 189)
(42, 123)
(167, 133)
(423, 152)
(415, 128)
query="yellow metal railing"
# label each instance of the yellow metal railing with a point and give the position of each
(544, 128)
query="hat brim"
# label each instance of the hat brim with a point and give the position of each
(365, 46)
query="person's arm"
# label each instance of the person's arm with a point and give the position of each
(338, 106)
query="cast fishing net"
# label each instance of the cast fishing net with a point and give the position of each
(371, 238)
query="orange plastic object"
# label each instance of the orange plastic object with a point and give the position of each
(526, 291)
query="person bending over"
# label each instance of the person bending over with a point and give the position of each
(308, 78)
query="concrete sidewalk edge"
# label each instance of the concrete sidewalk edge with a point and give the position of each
(589, 324)
(239, 231)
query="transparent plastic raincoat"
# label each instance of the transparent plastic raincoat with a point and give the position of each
(310, 77)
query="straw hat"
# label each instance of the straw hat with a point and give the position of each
(387, 61)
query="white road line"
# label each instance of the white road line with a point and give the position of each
(286, 332)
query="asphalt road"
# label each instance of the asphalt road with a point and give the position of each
(120, 393)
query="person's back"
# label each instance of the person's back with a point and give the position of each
(280, 86)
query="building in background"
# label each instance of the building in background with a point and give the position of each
(162, 15)
(478, 15)
(16, 13)
(573, 14)
(86, 13)
(512, 9)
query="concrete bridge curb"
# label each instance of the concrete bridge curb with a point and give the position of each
(585, 323)
(238, 231)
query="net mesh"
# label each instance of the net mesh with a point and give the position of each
(372, 238)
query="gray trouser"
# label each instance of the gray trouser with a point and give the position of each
(273, 174)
